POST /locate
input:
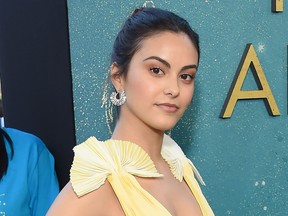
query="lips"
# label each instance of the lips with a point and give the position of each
(168, 107)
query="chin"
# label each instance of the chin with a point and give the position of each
(163, 123)
(165, 127)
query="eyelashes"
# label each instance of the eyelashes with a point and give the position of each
(187, 77)
(183, 76)
(157, 70)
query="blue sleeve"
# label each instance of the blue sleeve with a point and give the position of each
(43, 183)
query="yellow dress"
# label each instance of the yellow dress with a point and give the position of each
(119, 161)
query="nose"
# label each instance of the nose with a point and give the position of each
(172, 88)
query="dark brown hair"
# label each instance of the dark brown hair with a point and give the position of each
(142, 23)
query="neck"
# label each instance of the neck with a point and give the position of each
(147, 138)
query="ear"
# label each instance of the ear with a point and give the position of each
(116, 77)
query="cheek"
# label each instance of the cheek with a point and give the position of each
(140, 86)
(188, 95)
(136, 89)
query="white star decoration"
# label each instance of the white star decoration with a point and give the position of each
(261, 47)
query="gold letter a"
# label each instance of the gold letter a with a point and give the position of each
(249, 59)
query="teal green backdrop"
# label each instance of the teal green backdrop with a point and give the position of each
(243, 159)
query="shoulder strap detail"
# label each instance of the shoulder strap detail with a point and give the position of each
(94, 161)
(177, 160)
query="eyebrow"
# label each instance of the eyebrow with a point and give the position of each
(168, 65)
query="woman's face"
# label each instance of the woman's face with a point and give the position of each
(160, 81)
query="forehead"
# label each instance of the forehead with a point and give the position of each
(164, 36)
(167, 45)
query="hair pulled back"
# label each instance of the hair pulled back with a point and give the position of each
(145, 22)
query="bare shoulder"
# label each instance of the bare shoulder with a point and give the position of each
(102, 202)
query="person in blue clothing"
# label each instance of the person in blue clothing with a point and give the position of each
(28, 182)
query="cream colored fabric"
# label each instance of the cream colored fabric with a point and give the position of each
(119, 161)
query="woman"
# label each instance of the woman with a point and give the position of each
(28, 182)
(140, 170)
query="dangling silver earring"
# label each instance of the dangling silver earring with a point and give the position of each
(118, 98)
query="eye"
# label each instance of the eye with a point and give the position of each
(156, 70)
(186, 77)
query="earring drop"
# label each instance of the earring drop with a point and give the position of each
(118, 98)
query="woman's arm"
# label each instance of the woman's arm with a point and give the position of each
(100, 202)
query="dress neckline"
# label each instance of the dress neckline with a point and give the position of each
(172, 154)
(97, 161)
